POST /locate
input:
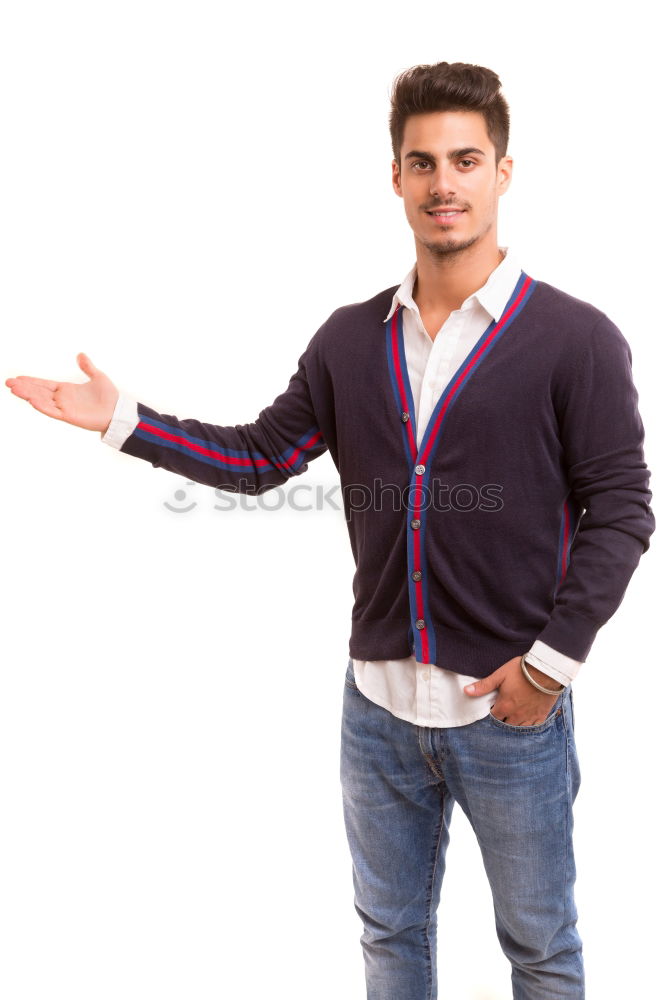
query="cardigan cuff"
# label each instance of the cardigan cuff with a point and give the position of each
(570, 633)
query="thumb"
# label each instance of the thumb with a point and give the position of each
(484, 684)
(86, 365)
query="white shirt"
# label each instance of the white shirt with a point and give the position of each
(422, 693)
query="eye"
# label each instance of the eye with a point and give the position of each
(421, 163)
(471, 162)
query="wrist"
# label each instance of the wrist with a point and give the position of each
(109, 413)
(541, 678)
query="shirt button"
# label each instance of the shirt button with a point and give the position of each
(405, 417)
(416, 575)
(420, 623)
(415, 523)
(419, 470)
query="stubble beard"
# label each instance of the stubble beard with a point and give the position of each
(447, 249)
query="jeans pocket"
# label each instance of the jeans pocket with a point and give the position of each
(554, 712)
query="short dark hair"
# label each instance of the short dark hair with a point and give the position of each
(449, 87)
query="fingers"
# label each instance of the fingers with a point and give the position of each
(514, 720)
(44, 400)
(39, 392)
(23, 383)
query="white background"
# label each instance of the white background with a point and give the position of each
(186, 195)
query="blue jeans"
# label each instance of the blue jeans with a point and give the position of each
(516, 785)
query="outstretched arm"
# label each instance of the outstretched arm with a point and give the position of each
(245, 458)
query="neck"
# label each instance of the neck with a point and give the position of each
(443, 283)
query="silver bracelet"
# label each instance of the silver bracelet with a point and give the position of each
(536, 685)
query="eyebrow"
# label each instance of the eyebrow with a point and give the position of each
(454, 154)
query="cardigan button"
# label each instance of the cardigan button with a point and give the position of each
(416, 575)
(415, 523)
(419, 470)
(405, 417)
(420, 623)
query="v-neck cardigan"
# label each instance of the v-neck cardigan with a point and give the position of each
(521, 516)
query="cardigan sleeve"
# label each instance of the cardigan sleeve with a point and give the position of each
(243, 458)
(602, 435)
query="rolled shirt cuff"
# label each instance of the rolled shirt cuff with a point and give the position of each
(123, 422)
(558, 666)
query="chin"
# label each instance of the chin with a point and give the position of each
(448, 244)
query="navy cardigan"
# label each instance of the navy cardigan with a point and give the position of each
(522, 514)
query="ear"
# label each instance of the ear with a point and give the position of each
(395, 177)
(504, 174)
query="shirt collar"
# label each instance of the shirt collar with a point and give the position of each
(493, 296)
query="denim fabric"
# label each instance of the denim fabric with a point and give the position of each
(516, 785)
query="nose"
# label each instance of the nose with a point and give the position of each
(442, 182)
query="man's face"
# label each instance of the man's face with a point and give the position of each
(447, 162)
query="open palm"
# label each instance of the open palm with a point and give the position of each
(85, 404)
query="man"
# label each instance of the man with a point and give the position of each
(485, 428)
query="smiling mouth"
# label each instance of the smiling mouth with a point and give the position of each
(446, 216)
